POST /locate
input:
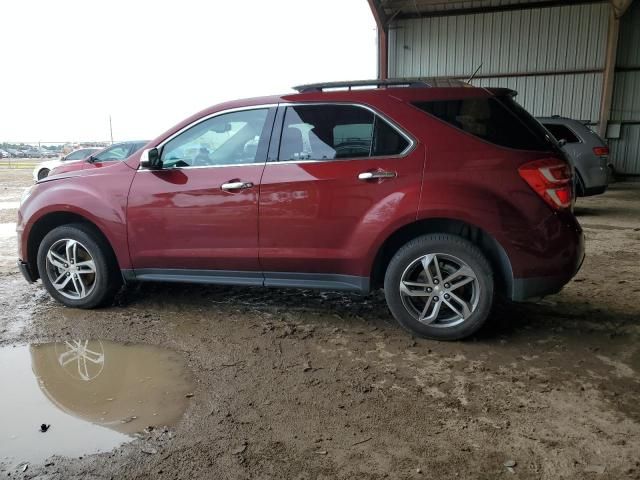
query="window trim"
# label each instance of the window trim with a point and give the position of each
(279, 129)
(267, 107)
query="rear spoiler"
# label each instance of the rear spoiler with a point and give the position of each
(502, 92)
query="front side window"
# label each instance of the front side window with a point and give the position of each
(560, 132)
(228, 139)
(498, 121)
(328, 132)
(117, 152)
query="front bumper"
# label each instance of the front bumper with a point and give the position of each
(26, 271)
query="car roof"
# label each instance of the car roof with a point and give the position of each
(363, 96)
(408, 90)
(558, 120)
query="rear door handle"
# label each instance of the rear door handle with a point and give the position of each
(376, 174)
(236, 186)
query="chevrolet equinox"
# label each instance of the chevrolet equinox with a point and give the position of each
(442, 194)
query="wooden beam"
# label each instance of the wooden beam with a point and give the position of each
(620, 6)
(608, 75)
(382, 26)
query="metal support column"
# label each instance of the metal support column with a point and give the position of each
(383, 38)
(618, 7)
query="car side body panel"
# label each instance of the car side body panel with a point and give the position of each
(99, 197)
(474, 181)
(317, 217)
(182, 219)
(315, 223)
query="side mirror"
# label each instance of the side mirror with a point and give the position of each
(151, 159)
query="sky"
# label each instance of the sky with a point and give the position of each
(67, 65)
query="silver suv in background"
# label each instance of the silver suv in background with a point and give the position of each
(587, 152)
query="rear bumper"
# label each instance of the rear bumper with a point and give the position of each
(525, 288)
(25, 271)
(594, 191)
(594, 172)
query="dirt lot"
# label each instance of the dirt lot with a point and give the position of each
(304, 385)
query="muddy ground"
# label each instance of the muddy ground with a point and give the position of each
(305, 385)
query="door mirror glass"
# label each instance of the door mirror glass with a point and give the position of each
(151, 159)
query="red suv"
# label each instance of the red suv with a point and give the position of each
(445, 195)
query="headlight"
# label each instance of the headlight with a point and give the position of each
(26, 194)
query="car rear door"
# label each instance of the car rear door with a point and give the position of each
(338, 179)
(197, 218)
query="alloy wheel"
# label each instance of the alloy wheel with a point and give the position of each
(439, 290)
(71, 269)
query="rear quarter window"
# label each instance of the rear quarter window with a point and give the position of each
(494, 120)
(561, 132)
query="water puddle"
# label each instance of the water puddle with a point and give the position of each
(94, 395)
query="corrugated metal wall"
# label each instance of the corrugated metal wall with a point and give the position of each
(626, 95)
(553, 57)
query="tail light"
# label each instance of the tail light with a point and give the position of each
(550, 178)
(601, 151)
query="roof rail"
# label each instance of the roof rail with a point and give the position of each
(414, 82)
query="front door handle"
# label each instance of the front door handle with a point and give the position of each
(376, 175)
(236, 186)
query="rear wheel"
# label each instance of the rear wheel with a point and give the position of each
(439, 286)
(43, 173)
(77, 267)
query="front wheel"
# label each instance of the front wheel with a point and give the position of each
(439, 286)
(77, 267)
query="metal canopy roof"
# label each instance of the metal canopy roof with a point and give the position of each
(397, 9)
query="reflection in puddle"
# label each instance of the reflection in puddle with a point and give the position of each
(95, 395)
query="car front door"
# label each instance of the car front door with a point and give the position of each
(342, 177)
(197, 217)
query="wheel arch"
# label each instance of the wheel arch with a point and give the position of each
(52, 220)
(489, 246)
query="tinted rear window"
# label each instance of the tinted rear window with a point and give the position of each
(327, 132)
(499, 120)
(561, 132)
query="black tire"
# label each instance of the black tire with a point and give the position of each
(43, 173)
(106, 280)
(451, 246)
(580, 189)
(611, 174)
